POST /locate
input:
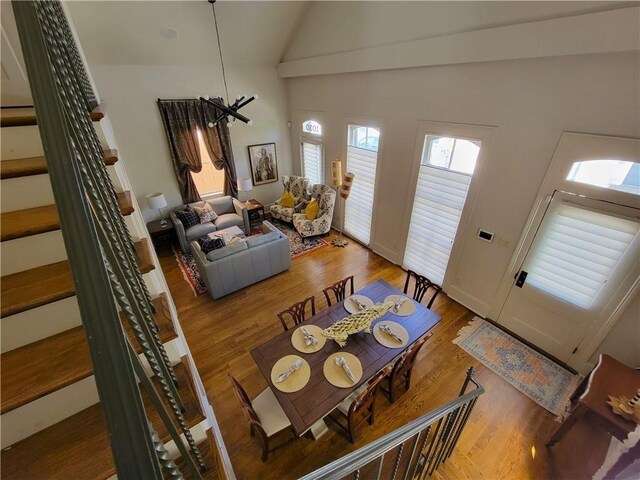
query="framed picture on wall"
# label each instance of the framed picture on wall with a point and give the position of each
(264, 165)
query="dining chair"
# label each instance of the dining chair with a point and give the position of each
(339, 289)
(358, 407)
(297, 312)
(421, 286)
(265, 416)
(400, 374)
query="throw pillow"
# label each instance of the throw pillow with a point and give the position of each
(287, 200)
(207, 244)
(188, 217)
(229, 239)
(205, 213)
(312, 210)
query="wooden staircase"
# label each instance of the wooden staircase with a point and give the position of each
(77, 446)
(33, 221)
(39, 286)
(26, 167)
(26, 116)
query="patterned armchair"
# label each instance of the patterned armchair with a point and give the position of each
(298, 186)
(326, 198)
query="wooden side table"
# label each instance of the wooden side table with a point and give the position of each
(254, 207)
(610, 377)
(161, 234)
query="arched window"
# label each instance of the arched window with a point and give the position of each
(311, 127)
(619, 175)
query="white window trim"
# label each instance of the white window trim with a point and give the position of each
(381, 124)
(484, 134)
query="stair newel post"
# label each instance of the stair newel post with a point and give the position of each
(132, 446)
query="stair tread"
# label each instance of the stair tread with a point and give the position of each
(33, 221)
(40, 368)
(25, 116)
(79, 445)
(39, 286)
(206, 450)
(25, 167)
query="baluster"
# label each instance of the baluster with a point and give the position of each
(356, 475)
(397, 463)
(431, 452)
(421, 459)
(166, 386)
(379, 469)
(163, 456)
(147, 385)
(412, 457)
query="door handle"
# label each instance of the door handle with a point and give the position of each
(521, 279)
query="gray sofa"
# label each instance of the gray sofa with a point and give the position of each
(233, 267)
(230, 212)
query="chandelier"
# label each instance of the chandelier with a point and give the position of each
(229, 109)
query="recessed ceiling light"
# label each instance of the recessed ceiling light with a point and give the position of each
(169, 33)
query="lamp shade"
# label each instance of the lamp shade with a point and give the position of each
(346, 185)
(336, 173)
(244, 184)
(156, 201)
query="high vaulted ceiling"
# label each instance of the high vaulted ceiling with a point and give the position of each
(128, 33)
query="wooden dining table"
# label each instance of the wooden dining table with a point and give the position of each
(318, 397)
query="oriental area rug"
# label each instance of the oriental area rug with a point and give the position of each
(539, 378)
(299, 246)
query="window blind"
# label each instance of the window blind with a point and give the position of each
(578, 251)
(437, 207)
(312, 162)
(359, 206)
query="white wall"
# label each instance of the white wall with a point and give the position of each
(129, 93)
(531, 102)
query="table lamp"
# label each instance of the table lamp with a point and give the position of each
(244, 185)
(158, 202)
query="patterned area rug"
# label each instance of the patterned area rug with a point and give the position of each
(299, 246)
(540, 379)
(190, 272)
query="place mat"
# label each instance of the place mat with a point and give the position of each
(297, 380)
(297, 339)
(335, 374)
(406, 309)
(387, 340)
(352, 307)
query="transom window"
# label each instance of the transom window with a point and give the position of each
(366, 138)
(619, 175)
(455, 154)
(312, 127)
(210, 180)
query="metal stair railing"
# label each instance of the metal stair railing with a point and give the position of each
(100, 251)
(420, 447)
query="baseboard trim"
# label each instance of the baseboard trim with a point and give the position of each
(472, 303)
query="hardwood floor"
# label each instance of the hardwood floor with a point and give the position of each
(505, 435)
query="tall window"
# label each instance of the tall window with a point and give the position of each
(446, 169)
(362, 159)
(209, 180)
(311, 152)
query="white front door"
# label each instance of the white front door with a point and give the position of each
(583, 260)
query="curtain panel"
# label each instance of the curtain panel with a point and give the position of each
(181, 119)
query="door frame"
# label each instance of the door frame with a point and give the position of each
(572, 147)
(483, 133)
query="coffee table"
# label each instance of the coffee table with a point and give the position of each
(235, 231)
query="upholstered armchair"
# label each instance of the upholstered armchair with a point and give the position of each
(326, 198)
(298, 186)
